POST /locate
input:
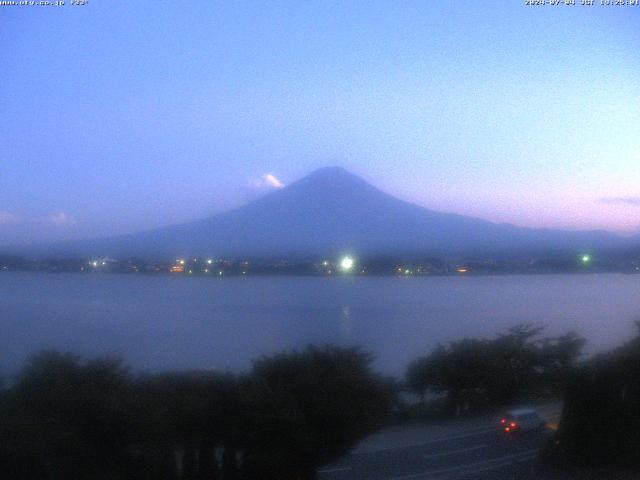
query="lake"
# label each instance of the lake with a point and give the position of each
(163, 322)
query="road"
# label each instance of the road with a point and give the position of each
(471, 450)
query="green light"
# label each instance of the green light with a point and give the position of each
(586, 259)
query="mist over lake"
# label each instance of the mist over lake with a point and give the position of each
(167, 323)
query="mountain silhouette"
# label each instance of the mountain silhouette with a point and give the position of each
(331, 211)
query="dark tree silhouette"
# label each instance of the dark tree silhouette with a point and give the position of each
(308, 408)
(559, 356)
(65, 418)
(188, 413)
(600, 424)
(477, 373)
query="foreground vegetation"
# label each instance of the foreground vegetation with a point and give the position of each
(600, 425)
(475, 375)
(63, 417)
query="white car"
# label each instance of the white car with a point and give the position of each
(521, 420)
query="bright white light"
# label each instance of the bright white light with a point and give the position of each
(181, 262)
(346, 263)
(209, 261)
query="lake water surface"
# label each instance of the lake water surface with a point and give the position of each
(163, 322)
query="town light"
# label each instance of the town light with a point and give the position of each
(346, 264)
(586, 259)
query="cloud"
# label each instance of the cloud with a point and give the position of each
(273, 181)
(59, 219)
(633, 201)
(7, 218)
(267, 180)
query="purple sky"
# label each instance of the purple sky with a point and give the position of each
(123, 116)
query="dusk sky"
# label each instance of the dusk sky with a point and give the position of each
(120, 116)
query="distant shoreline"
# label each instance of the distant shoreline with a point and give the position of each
(332, 265)
(336, 276)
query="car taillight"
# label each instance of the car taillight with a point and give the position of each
(513, 424)
(503, 421)
(507, 429)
